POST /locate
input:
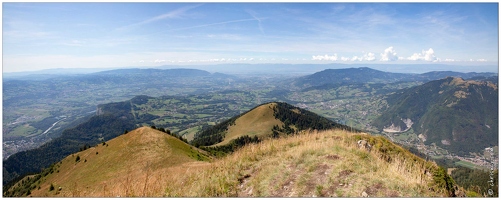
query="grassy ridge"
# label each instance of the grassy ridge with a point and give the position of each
(261, 120)
(327, 163)
(130, 165)
(32, 161)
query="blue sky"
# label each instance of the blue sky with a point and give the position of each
(103, 35)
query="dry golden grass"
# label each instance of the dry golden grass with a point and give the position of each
(320, 164)
(135, 164)
(328, 163)
(262, 120)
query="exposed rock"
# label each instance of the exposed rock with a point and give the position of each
(364, 194)
(422, 137)
(392, 129)
(459, 192)
(362, 144)
(397, 129)
(461, 94)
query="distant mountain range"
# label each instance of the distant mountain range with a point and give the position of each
(458, 115)
(132, 81)
(83, 74)
(368, 75)
(265, 68)
(139, 76)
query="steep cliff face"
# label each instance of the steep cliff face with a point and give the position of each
(99, 111)
(398, 129)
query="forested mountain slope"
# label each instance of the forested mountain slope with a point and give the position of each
(456, 114)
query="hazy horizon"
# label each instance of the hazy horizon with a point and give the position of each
(278, 68)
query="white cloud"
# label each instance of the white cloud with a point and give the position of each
(389, 55)
(355, 58)
(325, 57)
(369, 56)
(424, 55)
(482, 60)
(449, 60)
(366, 57)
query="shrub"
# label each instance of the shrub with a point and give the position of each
(77, 159)
(472, 194)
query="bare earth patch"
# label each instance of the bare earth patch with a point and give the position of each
(333, 157)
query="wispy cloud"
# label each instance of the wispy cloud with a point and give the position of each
(253, 14)
(225, 36)
(25, 30)
(28, 35)
(325, 57)
(213, 24)
(172, 14)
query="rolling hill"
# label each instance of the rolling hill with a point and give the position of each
(332, 163)
(458, 115)
(266, 120)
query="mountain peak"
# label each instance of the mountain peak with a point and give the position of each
(460, 82)
(349, 75)
(267, 120)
